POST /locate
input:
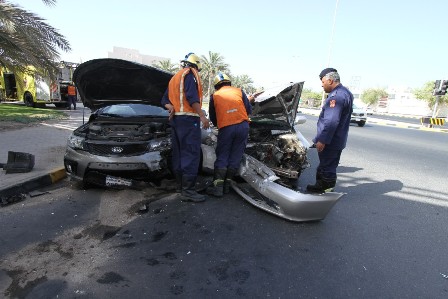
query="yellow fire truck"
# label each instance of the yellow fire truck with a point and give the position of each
(35, 91)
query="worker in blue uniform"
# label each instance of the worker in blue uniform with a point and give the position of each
(332, 130)
(183, 100)
(229, 110)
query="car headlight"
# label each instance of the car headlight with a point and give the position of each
(76, 142)
(159, 144)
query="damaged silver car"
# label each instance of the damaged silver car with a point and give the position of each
(127, 136)
(275, 156)
(126, 140)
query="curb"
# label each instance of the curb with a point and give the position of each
(407, 126)
(48, 179)
(388, 123)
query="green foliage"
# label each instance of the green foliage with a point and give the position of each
(425, 94)
(244, 82)
(372, 95)
(215, 63)
(26, 40)
(211, 65)
(167, 65)
(310, 98)
(23, 114)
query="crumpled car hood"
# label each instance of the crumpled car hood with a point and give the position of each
(278, 103)
(107, 81)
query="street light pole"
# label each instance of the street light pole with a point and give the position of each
(330, 48)
(332, 33)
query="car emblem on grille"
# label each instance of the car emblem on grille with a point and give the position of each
(117, 149)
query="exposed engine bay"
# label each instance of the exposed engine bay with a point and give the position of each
(277, 148)
(126, 132)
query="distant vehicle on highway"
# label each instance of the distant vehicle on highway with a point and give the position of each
(359, 115)
(369, 110)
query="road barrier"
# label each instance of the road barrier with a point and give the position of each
(431, 121)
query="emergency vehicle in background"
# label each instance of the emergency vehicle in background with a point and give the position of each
(34, 90)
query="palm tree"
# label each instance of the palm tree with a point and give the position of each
(244, 82)
(166, 65)
(26, 40)
(211, 65)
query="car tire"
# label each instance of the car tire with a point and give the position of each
(361, 123)
(28, 99)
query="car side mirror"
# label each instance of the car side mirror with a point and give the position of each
(301, 119)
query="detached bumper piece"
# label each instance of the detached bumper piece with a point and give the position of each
(262, 191)
(19, 162)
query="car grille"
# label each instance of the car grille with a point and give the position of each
(358, 114)
(117, 150)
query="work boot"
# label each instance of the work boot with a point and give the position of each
(178, 176)
(189, 192)
(229, 178)
(217, 189)
(322, 186)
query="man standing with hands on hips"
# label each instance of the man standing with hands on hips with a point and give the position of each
(332, 130)
(183, 100)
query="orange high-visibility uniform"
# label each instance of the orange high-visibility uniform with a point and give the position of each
(176, 92)
(71, 90)
(229, 106)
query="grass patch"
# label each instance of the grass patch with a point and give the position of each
(23, 114)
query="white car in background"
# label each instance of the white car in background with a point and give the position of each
(359, 115)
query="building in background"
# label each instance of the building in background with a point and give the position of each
(401, 100)
(134, 56)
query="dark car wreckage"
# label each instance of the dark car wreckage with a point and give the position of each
(126, 140)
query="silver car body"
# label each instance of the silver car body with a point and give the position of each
(263, 187)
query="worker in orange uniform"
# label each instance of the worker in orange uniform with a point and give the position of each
(183, 100)
(229, 110)
(71, 94)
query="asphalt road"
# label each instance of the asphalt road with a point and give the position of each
(386, 237)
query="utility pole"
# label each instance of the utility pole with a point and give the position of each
(330, 46)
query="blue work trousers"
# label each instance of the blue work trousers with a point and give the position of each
(186, 144)
(232, 141)
(328, 162)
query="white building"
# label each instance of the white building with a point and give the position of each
(134, 55)
(401, 100)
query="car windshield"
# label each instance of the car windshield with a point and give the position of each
(357, 107)
(134, 110)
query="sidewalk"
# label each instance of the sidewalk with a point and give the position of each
(47, 143)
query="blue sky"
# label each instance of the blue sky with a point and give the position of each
(374, 43)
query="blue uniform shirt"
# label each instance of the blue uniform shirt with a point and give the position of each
(190, 90)
(334, 119)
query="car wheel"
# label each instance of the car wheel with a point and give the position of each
(361, 123)
(28, 99)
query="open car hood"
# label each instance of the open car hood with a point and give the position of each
(278, 103)
(108, 81)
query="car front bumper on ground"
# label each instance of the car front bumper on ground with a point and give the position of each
(261, 190)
